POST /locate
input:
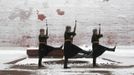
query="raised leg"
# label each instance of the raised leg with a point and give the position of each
(85, 52)
(111, 49)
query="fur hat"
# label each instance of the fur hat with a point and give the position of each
(94, 30)
(42, 30)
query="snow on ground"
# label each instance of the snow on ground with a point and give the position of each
(122, 58)
(123, 54)
(10, 54)
(119, 62)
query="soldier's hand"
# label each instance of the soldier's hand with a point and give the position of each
(101, 35)
(74, 34)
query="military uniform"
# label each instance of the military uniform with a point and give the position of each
(97, 48)
(70, 50)
(44, 49)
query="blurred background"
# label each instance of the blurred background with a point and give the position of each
(19, 23)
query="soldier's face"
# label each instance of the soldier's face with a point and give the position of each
(68, 29)
(42, 32)
(95, 32)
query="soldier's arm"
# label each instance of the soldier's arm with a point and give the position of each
(71, 33)
(46, 37)
(100, 35)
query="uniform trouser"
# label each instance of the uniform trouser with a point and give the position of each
(43, 51)
(40, 60)
(98, 50)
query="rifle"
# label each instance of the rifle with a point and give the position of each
(75, 26)
(99, 29)
(46, 28)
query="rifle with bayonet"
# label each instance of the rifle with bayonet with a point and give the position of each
(75, 26)
(46, 29)
(99, 29)
(74, 29)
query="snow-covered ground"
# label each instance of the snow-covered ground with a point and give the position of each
(120, 62)
(123, 54)
(9, 54)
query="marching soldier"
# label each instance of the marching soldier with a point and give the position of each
(70, 50)
(96, 47)
(44, 49)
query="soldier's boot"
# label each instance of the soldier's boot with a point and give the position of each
(113, 49)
